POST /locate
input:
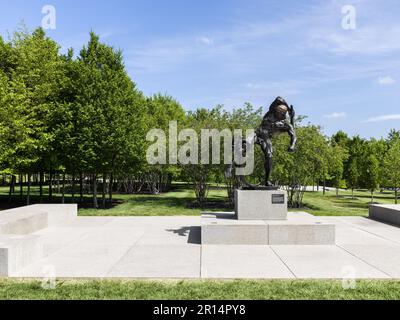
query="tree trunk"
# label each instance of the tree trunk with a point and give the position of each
(73, 187)
(63, 188)
(21, 191)
(28, 195)
(324, 191)
(110, 188)
(103, 195)
(372, 196)
(51, 185)
(41, 186)
(81, 187)
(10, 190)
(395, 195)
(95, 204)
(58, 183)
(12, 183)
(313, 183)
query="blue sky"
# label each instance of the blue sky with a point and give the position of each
(228, 52)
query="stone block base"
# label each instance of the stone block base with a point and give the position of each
(18, 247)
(385, 213)
(299, 229)
(17, 252)
(261, 204)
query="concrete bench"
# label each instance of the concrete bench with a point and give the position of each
(21, 222)
(17, 252)
(18, 247)
(29, 219)
(385, 213)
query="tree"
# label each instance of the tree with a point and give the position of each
(161, 110)
(298, 170)
(198, 173)
(35, 72)
(244, 118)
(353, 175)
(14, 134)
(371, 174)
(392, 167)
(337, 156)
(109, 122)
(393, 135)
(341, 138)
(379, 148)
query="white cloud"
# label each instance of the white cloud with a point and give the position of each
(375, 36)
(388, 80)
(280, 87)
(205, 40)
(230, 45)
(336, 115)
(314, 30)
(365, 41)
(106, 35)
(388, 117)
(251, 85)
(251, 51)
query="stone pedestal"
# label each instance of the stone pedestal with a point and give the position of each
(261, 218)
(299, 229)
(18, 252)
(388, 213)
(261, 204)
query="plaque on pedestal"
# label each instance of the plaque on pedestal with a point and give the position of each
(261, 204)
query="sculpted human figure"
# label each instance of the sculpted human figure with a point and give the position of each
(279, 119)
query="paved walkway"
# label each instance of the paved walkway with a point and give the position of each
(169, 247)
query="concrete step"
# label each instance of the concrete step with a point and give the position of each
(20, 222)
(29, 219)
(18, 251)
(385, 213)
(18, 247)
(298, 229)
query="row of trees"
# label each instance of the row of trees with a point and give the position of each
(78, 123)
(79, 117)
(339, 161)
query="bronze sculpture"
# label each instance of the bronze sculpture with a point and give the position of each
(279, 119)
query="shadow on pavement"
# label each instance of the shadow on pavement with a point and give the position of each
(193, 234)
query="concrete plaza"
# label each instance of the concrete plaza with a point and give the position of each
(170, 247)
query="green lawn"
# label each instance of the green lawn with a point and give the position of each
(180, 202)
(344, 205)
(200, 290)
(176, 203)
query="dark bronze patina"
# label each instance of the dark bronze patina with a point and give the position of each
(279, 119)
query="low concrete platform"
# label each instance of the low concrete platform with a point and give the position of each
(298, 229)
(18, 252)
(29, 219)
(170, 247)
(386, 213)
(18, 246)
